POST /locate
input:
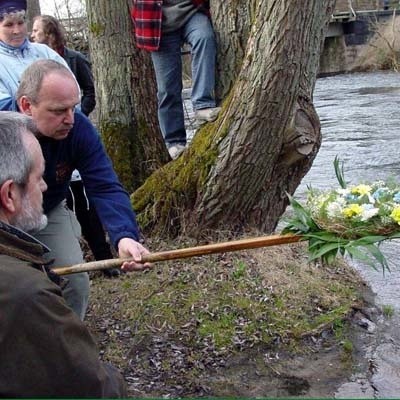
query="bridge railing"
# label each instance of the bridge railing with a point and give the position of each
(347, 10)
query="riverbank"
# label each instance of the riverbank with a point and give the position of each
(382, 52)
(367, 45)
(259, 323)
(360, 119)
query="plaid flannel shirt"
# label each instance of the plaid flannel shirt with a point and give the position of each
(147, 18)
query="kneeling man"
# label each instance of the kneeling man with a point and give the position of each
(46, 351)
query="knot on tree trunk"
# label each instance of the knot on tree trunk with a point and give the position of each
(303, 134)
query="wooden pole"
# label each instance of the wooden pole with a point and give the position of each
(235, 245)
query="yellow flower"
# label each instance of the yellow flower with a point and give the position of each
(353, 210)
(361, 190)
(395, 215)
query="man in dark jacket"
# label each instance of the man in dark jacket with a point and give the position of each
(48, 92)
(46, 351)
(48, 30)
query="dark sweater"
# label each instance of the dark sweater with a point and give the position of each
(82, 150)
(176, 13)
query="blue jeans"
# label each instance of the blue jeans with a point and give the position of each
(167, 61)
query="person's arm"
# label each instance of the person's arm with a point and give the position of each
(54, 352)
(106, 193)
(7, 102)
(84, 77)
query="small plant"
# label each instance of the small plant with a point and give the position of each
(347, 346)
(388, 311)
(347, 352)
(351, 220)
(338, 327)
(240, 270)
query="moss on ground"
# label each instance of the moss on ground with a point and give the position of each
(174, 324)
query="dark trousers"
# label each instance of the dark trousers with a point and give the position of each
(92, 229)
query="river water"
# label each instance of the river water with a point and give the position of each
(360, 122)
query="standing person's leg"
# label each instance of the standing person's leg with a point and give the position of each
(93, 232)
(62, 236)
(167, 63)
(198, 32)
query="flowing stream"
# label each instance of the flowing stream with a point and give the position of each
(360, 120)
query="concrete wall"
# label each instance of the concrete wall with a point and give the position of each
(333, 57)
(341, 50)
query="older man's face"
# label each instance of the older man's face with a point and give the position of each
(29, 215)
(53, 113)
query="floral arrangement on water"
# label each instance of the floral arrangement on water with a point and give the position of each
(351, 219)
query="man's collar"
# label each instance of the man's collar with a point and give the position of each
(23, 235)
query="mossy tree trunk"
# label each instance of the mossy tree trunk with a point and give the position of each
(125, 93)
(237, 171)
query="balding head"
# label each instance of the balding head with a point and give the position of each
(32, 78)
(49, 93)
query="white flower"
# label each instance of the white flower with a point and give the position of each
(379, 184)
(368, 212)
(343, 192)
(334, 209)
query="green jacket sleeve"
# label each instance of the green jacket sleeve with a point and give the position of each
(46, 351)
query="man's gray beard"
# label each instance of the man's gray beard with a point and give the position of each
(30, 220)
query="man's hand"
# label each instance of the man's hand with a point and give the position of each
(128, 248)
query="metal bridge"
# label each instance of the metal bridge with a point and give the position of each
(353, 16)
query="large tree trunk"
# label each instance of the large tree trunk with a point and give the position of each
(33, 9)
(238, 170)
(125, 93)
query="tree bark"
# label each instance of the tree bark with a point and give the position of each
(33, 9)
(125, 93)
(238, 170)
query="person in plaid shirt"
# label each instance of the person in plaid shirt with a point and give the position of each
(162, 27)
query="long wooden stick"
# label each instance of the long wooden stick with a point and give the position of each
(235, 245)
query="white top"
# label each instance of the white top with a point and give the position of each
(14, 61)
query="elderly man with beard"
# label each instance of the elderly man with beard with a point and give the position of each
(46, 351)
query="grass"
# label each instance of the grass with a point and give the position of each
(388, 310)
(220, 305)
